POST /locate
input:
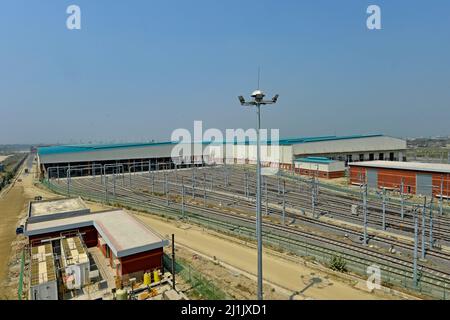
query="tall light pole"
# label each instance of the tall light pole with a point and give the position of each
(258, 101)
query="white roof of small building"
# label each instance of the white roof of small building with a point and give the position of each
(415, 166)
(124, 234)
(55, 207)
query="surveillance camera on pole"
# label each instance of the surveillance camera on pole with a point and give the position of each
(258, 101)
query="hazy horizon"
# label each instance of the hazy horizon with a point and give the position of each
(137, 71)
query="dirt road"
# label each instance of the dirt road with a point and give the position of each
(287, 274)
(12, 204)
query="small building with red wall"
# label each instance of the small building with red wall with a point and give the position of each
(321, 167)
(131, 247)
(416, 178)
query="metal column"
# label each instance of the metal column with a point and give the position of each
(365, 214)
(182, 196)
(266, 195)
(384, 209)
(284, 202)
(402, 209)
(431, 225)
(204, 189)
(173, 261)
(258, 205)
(416, 239)
(423, 227)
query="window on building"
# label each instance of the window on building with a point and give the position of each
(361, 157)
(391, 156)
(381, 156)
(349, 158)
(371, 156)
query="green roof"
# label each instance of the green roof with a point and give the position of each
(315, 160)
(58, 149)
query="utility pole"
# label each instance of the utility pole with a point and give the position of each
(106, 188)
(365, 213)
(423, 227)
(284, 202)
(114, 183)
(441, 199)
(267, 196)
(416, 240)
(182, 196)
(166, 188)
(204, 189)
(258, 97)
(314, 194)
(225, 180)
(384, 209)
(246, 184)
(176, 173)
(401, 200)
(431, 224)
(193, 183)
(153, 183)
(173, 261)
(68, 181)
(278, 182)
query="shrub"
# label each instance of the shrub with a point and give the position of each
(338, 263)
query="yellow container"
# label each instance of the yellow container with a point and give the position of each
(156, 276)
(147, 279)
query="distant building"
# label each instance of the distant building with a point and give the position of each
(321, 167)
(55, 161)
(418, 178)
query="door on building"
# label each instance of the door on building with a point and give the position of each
(424, 184)
(391, 156)
(372, 178)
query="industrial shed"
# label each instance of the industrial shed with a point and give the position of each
(416, 178)
(341, 148)
(56, 161)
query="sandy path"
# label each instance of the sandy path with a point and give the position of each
(282, 272)
(12, 205)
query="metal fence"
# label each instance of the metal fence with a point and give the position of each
(202, 287)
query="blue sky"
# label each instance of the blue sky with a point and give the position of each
(137, 70)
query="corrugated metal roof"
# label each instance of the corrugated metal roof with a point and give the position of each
(95, 147)
(315, 160)
(414, 166)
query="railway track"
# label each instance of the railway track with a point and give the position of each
(433, 276)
